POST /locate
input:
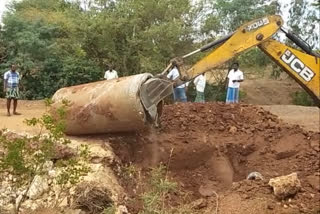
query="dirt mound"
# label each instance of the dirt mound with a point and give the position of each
(213, 147)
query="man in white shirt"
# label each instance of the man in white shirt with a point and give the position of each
(235, 76)
(179, 92)
(110, 74)
(11, 81)
(200, 83)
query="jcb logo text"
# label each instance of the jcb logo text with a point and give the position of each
(297, 65)
(257, 24)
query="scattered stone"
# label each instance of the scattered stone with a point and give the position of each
(38, 186)
(285, 186)
(18, 200)
(63, 152)
(199, 204)
(206, 191)
(270, 206)
(285, 154)
(77, 211)
(315, 145)
(122, 210)
(64, 203)
(233, 129)
(245, 196)
(48, 165)
(314, 181)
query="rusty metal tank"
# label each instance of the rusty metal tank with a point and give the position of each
(120, 105)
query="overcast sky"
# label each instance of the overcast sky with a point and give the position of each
(3, 6)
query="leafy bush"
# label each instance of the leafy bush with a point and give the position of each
(27, 157)
(254, 57)
(154, 200)
(211, 93)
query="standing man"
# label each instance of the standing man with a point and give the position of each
(179, 92)
(110, 73)
(235, 76)
(200, 83)
(11, 89)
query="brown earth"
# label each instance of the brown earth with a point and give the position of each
(307, 117)
(269, 91)
(212, 147)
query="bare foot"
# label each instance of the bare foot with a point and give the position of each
(16, 113)
(8, 114)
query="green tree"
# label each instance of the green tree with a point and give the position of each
(62, 43)
(226, 16)
(304, 21)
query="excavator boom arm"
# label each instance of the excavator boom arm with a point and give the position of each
(248, 35)
(302, 67)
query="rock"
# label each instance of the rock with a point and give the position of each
(314, 181)
(122, 210)
(64, 203)
(199, 204)
(206, 191)
(315, 145)
(285, 186)
(52, 173)
(245, 196)
(70, 211)
(38, 186)
(285, 154)
(233, 129)
(270, 206)
(63, 152)
(48, 165)
(18, 200)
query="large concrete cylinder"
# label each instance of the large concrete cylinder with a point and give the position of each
(104, 107)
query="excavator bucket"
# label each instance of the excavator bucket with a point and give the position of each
(126, 104)
(152, 92)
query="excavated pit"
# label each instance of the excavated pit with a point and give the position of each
(213, 147)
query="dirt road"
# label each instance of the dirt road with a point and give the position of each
(307, 117)
(28, 110)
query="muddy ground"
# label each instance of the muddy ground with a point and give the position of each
(211, 148)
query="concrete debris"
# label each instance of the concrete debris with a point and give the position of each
(285, 186)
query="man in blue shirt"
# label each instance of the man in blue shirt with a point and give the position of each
(11, 89)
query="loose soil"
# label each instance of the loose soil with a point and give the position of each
(212, 147)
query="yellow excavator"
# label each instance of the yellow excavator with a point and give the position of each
(128, 103)
(303, 66)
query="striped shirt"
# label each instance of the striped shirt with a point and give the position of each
(12, 79)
